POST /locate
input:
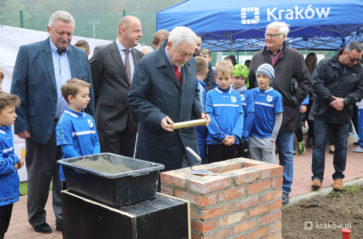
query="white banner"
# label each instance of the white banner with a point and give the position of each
(10, 41)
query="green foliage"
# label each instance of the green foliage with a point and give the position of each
(107, 12)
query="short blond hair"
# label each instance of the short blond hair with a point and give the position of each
(225, 67)
(72, 87)
(7, 99)
(202, 65)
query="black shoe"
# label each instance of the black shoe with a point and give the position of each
(309, 142)
(356, 143)
(59, 228)
(43, 228)
(285, 198)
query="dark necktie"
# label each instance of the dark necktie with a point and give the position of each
(60, 52)
(127, 64)
(178, 74)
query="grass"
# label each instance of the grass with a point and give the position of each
(23, 188)
(347, 189)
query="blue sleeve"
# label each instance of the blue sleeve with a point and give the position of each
(7, 165)
(278, 104)
(68, 151)
(306, 100)
(64, 132)
(96, 148)
(213, 128)
(250, 102)
(248, 124)
(238, 127)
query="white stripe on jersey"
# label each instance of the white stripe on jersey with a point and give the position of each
(83, 132)
(265, 104)
(8, 150)
(225, 105)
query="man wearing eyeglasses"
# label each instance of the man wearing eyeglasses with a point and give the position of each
(290, 69)
(338, 84)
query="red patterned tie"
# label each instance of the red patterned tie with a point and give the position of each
(178, 74)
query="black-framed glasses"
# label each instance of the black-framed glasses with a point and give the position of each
(355, 59)
(272, 35)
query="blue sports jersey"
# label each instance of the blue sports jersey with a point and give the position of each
(248, 104)
(225, 110)
(202, 130)
(9, 179)
(77, 129)
(267, 104)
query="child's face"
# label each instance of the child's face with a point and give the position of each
(223, 80)
(263, 81)
(1, 84)
(8, 115)
(80, 101)
(238, 82)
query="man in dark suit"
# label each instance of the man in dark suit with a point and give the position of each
(112, 68)
(165, 91)
(40, 70)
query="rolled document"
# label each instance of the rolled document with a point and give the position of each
(190, 123)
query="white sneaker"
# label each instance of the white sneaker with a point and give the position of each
(358, 149)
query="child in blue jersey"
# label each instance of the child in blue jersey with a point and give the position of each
(268, 116)
(202, 72)
(225, 110)
(240, 74)
(76, 132)
(9, 161)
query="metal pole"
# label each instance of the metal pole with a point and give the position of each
(124, 12)
(21, 19)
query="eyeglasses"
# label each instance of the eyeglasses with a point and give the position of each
(355, 59)
(272, 35)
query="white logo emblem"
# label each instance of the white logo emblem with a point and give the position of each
(233, 99)
(243, 97)
(269, 98)
(252, 20)
(90, 123)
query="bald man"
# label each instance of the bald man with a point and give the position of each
(112, 68)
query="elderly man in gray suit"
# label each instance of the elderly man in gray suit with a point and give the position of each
(40, 70)
(112, 68)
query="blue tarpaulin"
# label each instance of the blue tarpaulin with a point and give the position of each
(238, 25)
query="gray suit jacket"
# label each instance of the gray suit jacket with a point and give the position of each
(34, 82)
(111, 88)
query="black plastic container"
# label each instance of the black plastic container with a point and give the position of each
(115, 190)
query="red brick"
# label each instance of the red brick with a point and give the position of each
(218, 235)
(213, 184)
(258, 233)
(259, 210)
(245, 177)
(276, 235)
(244, 226)
(270, 217)
(173, 178)
(270, 195)
(231, 194)
(196, 235)
(201, 201)
(229, 167)
(245, 203)
(277, 226)
(231, 219)
(249, 164)
(203, 227)
(276, 204)
(239, 237)
(277, 182)
(215, 212)
(166, 190)
(258, 187)
(273, 171)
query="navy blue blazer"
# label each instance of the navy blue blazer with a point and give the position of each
(34, 82)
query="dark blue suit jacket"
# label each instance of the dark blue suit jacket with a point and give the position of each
(34, 82)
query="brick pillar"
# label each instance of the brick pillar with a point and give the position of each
(242, 201)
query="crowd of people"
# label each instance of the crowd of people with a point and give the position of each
(251, 110)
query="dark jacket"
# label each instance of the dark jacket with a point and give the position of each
(330, 79)
(290, 65)
(155, 93)
(34, 82)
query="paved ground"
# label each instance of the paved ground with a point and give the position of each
(20, 229)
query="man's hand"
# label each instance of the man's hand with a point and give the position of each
(24, 135)
(337, 103)
(303, 109)
(167, 124)
(206, 117)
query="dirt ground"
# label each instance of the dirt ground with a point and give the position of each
(324, 216)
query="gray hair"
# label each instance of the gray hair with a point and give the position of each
(61, 16)
(282, 26)
(353, 46)
(182, 34)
